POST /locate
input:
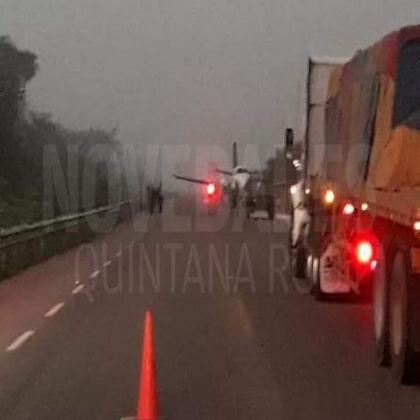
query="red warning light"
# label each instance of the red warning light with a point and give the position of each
(211, 189)
(364, 252)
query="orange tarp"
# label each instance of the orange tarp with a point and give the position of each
(398, 164)
(383, 127)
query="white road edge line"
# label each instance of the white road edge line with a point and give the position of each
(95, 274)
(107, 263)
(54, 310)
(77, 289)
(20, 340)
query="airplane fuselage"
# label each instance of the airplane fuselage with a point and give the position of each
(239, 178)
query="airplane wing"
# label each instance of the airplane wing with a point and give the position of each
(221, 171)
(195, 180)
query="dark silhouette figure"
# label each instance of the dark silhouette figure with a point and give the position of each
(155, 198)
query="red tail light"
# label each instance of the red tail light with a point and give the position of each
(211, 189)
(364, 252)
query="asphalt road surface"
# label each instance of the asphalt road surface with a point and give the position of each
(236, 337)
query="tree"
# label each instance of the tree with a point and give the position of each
(22, 142)
(17, 68)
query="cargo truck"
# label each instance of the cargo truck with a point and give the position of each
(319, 70)
(362, 179)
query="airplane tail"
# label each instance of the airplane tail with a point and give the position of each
(234, 162)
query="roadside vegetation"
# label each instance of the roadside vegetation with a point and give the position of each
(24, 134)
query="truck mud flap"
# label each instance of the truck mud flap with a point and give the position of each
(333, 273)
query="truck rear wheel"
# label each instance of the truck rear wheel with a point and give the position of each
(316, 288)
(290, 231)
(311, 265)
(234, 199)
(270, 207)
(381, 309)
(300, 261)
(402, 354)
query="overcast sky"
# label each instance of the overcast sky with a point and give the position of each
(188, 71)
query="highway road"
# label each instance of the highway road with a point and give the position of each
(236, 337)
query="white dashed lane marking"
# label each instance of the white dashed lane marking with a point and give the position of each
(54, 310)
(78, 289)
(20, 340)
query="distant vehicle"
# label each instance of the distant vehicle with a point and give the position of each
(258, 198)
(365, 191)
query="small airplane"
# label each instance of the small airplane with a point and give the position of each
(234, 186)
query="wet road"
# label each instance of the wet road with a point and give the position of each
(236, 336)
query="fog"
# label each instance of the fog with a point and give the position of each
(188, 71)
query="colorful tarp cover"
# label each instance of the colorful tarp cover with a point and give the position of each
(372, 129)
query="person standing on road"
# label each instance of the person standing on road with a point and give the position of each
(155, 197)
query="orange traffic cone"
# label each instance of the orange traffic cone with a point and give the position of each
(148, 404)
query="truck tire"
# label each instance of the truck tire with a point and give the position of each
(234, 199)
(402, 354)
(311, 265)
(290, 231)
(249, 208)
(316, 289)
(270, 207)
(380, 308)
(300, 261)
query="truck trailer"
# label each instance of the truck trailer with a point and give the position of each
(362, 182)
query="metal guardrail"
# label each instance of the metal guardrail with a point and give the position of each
(26, 245)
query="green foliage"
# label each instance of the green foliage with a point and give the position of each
(23, 141)
(18, 210)
(17, 68)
